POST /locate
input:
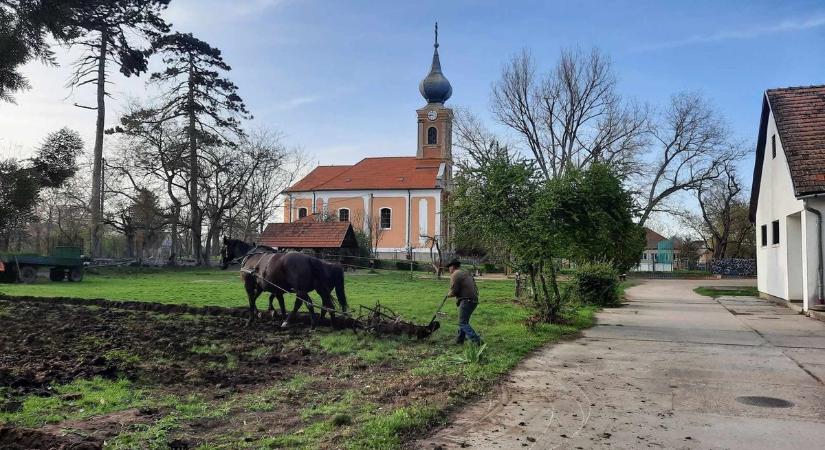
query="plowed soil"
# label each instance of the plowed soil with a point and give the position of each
(54, 341)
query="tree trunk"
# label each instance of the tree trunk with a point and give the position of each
(557, 295)
(130, 243)
(196, 221)
(532, 270)
(173, 252)
(96, 227)
(211, 241)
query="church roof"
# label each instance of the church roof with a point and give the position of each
(397, 172)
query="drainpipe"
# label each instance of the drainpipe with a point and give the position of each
(290, 208)
(313, 202)
(819, 283)
(409, 224)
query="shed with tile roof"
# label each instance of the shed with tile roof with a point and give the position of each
(308, 234)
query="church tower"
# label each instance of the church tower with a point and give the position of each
(435, 121)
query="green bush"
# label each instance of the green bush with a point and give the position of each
(405, 265)
(490, 268)
(596, 284)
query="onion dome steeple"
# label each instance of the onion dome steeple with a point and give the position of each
(435, 88)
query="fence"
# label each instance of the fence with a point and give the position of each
(717, 268)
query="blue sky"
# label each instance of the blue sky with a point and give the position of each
(340, 78)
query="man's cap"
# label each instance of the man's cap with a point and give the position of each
(454, 262)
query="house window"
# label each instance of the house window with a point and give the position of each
(764, 235)
(775, 231)
(302, 212)
(432, 136)
(343, 215)
(773, 146)
(386, 218)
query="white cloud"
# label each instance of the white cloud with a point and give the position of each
(199, 14)
(295, 103)
(785, 26)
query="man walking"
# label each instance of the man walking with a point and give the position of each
(463, 288)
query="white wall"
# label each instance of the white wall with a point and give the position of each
(794, 257)
(776, 202)
(810, 244)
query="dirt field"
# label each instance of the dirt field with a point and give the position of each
(124, 363)
(174, 354)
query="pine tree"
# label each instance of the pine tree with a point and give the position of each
(25, 29)
(111, 27)
(208, 103)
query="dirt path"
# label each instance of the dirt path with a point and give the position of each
(669, 370)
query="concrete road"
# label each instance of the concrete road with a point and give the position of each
(669, 370)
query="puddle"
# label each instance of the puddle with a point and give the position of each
(764, 402)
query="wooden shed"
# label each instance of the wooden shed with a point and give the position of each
(309, 235)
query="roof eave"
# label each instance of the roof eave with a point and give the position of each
(760, 156)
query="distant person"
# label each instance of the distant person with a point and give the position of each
(463, 288)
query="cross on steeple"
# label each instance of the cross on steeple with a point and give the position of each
(436, 35)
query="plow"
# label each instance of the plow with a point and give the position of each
(378, 320)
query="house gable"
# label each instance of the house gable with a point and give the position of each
(798, 117)
(775, 194)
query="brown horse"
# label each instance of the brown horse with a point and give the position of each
(235, 249)
(265, 270)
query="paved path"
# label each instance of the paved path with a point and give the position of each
(664, 371)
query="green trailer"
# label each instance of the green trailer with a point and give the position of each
(65, 263)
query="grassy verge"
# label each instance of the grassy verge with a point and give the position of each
(737, 291)
(440, 375)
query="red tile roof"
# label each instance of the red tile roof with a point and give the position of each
(653, 238)
(309, 234)
(373, 173)
(799, 113)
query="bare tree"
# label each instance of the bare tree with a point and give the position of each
(692, 147)
(472, 139)
(571, 116)
(226, 174)
(433, 243)
(722, 221)
(716, 198)
(156, 151)
(262, 197)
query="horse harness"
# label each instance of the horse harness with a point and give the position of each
(256, 273)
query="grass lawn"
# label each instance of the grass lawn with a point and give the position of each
(730, 291)
(346, 418)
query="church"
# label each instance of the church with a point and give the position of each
(396, 200)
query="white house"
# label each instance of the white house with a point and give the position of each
(788, 195)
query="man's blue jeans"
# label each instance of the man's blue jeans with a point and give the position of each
(465, 310)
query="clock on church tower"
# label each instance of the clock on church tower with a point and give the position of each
(435, 121)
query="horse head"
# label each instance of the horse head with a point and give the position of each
(225, 254)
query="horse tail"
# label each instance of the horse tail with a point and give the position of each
(338, 280)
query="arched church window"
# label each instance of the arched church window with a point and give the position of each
(386, 218)
(302, 212)
(343, 214)
(432, 136)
